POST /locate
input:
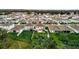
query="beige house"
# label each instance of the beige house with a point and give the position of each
(39, 27)
(17, 28)
(58, 28)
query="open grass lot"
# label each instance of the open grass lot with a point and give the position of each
(41, 41)
(25, 35)
(35, 40)
(22, 41)
(66, 40)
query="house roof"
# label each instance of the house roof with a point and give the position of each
(58, 27)
(40, 25)
(29, 24)
(6, 24)
(18, 27)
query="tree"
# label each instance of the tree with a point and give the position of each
(3, 38)
(41, 41)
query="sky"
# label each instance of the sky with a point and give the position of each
(39, 4)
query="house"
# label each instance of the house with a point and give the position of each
(29, 26)
(17, 28)
(74, 27)
(58, 28)
(7, 26)
(39, 27)
(52, 28)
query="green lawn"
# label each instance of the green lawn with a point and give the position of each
(55, 39)
(32, 39)
(26, 35)
(66, 40)
(41, 41)
(21, 41)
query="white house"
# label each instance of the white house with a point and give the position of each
(29, 26)
(7, 26)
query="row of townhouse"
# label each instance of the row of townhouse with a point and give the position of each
(39, 26)
(7, 27)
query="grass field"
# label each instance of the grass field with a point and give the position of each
(33, 39)
(25, 35)
(66, 40)
(21, 41)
